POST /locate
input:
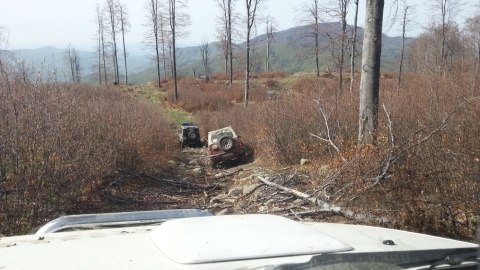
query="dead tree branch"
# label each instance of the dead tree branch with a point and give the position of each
(179, 184)
(328, 138)
(324, 206)
(390, 126)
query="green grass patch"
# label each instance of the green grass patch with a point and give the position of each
(178, 116)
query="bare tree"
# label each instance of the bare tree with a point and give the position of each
(405, 22)
(337, 10)
(473, 30)
(448, 10)
(310, 15)
(222, 33)
(112, 13)
(165, 40)
(343, 7)
(227, 7)
(205, 51)
(172, 14)
(177, 20)
(3, 38)
(353, 51)
(73, 60)
(124, 26)
(101, 46)
(370, 78)
(269, 33)
(154, 32)
(251, 8)
(3, 54)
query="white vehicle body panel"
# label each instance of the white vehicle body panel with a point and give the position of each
(240, 237)
(211, 242)
(214, 132)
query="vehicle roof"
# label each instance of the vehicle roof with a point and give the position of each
(189, 126)
(210, 242)
(225, 129)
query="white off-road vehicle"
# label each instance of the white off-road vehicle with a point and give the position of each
(224, 145)
(195, 239)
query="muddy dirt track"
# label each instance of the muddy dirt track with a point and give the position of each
(192, 183)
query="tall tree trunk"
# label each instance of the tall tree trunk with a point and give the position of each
(444, 34)
(370, 80)
(154, 17)
(343, 15)
(354, 47)
(477, 70)
(267, 58)
(104, 59)
(174, 57)
(269, 41)
(225, 53)
(247, 71)
(402, 53)
(122, 23)
(229, 34)
(112, 13)
(316, 35)
(251, 7)
(99, 43)
(164, 51)
(99, 51)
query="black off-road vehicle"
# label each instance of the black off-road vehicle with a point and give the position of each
(189, 134)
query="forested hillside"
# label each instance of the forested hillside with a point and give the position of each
(291, 52)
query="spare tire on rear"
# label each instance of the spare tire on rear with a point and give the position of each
(225, 143)
(192, 135)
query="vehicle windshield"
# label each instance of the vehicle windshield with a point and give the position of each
(465, 258)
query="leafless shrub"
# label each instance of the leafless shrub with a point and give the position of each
(275, 74)
(271, 84)
(422, 174)
(57, 139)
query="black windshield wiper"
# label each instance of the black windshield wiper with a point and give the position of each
(417, 259)
(458, 259)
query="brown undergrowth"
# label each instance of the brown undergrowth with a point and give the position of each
(423, 174)
(58, 140)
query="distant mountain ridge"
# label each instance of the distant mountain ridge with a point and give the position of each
(289, 52)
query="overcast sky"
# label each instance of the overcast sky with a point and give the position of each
(36, 23)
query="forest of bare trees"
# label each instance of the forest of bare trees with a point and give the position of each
(112, 23)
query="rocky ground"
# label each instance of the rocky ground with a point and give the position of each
(192, 183)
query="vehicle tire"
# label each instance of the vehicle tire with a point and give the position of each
(214, 165)
(192, 136)
(225, 143)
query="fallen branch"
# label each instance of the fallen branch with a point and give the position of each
(250, 192)
(180, 184)
(304, 196)
(305, 213)
(326, 207)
